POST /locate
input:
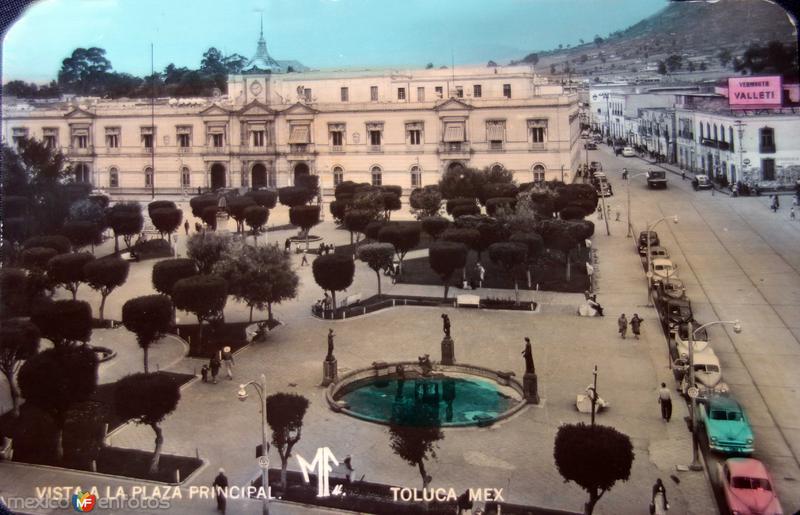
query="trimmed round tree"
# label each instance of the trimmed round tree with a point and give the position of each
(58, 243)
(82, 233)
(55, 380)
(453, 203)
(169, 271)
(292, 196)
(204, 296)
(403, 236)
(434, 225)
(209, 216)
(200, 202)
(594, 457)
(310, 183)
(264, 198)
(445, 257)
(356, 221)
(304, 217)
(334, 272)
(126, 220)
(285, 412)
(506, 204)
(510, 256)
(497, 190)
(373, 228)
(105, 275)
(471, 238)
(147, 399)
(571, 212)
(149, 317)
(466, 210)
(36, 259)
(67, 270)
(166, 220)
(391, 202)
(425, 201)
(19, 340)
(378, 256)
(64, 322)
(236, 208)
(14, 293)
(535, 245)
(259, 276)
(415, 444)
(461, 182)
(338, 209)
(160, 204)
(207, 248)
(256, 217)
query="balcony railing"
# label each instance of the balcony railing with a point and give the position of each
(337, 148)
(767, 148)
(375, 148)
(454, 147)
(81, 151)
(301, 148)
(720, 145)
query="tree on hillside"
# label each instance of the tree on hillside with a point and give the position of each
(598, 40)
(147, 399)
(207, 248)
(378, 256)
(105, 275)
(724, 55)
(57, 379)
(258, 276)
(674, 62)
(149, 317)
(285, 412)
(662, 68)
(67, 270)
(445, 257)
(19, 341)
(594, 457)
(531, 58)
(333, 272)
(774, 57)
(83, 71)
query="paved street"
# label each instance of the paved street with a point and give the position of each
(738, 259)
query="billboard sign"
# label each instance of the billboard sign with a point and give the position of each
(755, 92)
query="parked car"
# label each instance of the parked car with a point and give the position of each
(748, 487)
(656, 179)
(595, 166)
(707, 374)
(702, 182)
(674, 312)
(628, 152)
(663, 270)
(674, 289)
(601, 184)
(590, 145)
(658, 252)
(643, 237)
(726, 425)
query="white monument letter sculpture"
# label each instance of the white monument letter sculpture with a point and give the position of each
(322, 463)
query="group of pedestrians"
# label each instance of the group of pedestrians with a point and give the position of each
(635, 323)
(222, 357)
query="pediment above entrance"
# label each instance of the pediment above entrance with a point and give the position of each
(256, 108)
(453, 104)
(79, 113)
(214, 110)
(299, 108)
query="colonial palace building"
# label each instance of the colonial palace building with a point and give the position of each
(384, 127)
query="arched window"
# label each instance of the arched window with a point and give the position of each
(416, 177)
(113, 178)
(538, 173)
(377, 176)
(708, 130)
(338, 175)
(186, 177)
(716, 137)
(497, 168)
(701, 131)
(148, 177)
(730, 136)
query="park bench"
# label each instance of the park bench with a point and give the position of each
(468, 300)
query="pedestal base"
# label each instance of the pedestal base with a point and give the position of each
(448, 351)
(330, 372)
(530, 386)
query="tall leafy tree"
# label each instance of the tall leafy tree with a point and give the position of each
(258, 276)
(126, 220)
(377, 256)
(285, 412)
(403, 237)
(67, 270)
(207, 248)
(511, 256)
(203, 295)
(333, 272)
(149, 317)
(55, 380)
(445, 257)
(105, 275)
(147, 399)
(84, 71)
(594, 457)
(256, 217)
(19, 340)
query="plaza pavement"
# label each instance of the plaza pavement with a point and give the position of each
(515, 455)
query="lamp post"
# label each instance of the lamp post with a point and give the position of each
(261, 389)
(692, 391)
(649, 271)
(628, 188)
(594, 394)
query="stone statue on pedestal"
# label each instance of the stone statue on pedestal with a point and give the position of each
(446, 325)
(330, 357)
(528, 353)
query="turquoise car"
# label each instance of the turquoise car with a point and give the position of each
(726, 425)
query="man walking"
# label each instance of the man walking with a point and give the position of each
(481, 273)
(214, 365)
(622, 322)
(665, 400)
(220, 486)
(186, 227)
(304, 261)
(227, 358)
(636, 322)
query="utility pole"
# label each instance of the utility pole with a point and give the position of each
(740, 132)
(152, 127)
(594, 394)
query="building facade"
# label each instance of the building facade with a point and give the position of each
(404, 128)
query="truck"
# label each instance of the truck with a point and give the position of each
(657, 179)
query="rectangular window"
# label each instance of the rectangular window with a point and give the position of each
(375, 138)
(768, 169)
(50, 141)
(459, 91)
(496, 134)
(82, 141)
(338, 176)
(258, 138)
(439, 91)
(416, 178)
(344, 94)
(507, 90)
(148, 177)
(307, 94)
(415, 137)
(373, 93)
(767, 140)
(401, 93)
(186, 178)
(476, 91)
(537, 134)
(112, 140)
(420, 94)
(147, 137)
(337, 139)
(113, 178)
(217, 140)
(184, 141)
(19, 134)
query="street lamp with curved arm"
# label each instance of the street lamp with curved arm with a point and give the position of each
(650, 228)
(628, 188)
(737, 328)
(260, 387)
